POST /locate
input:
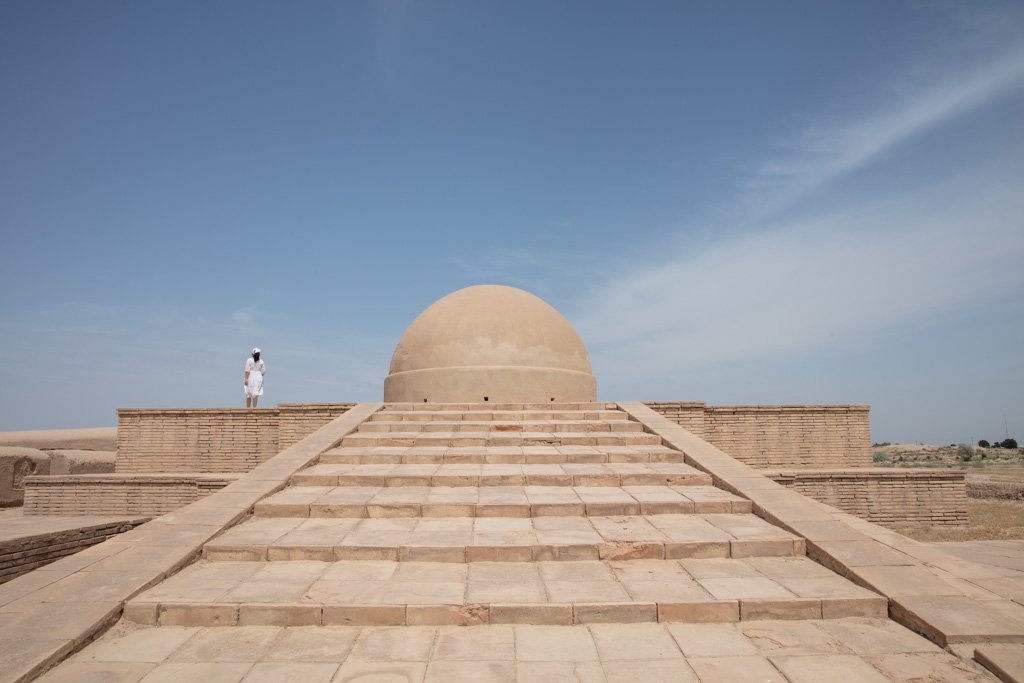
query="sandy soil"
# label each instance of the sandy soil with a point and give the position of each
(90, 439)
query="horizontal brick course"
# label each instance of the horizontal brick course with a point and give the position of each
(110, 494)
(151, 440)
(885, 496)
(24, 553)
(792, 437)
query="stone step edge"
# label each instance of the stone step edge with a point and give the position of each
(469, 439)
(501, 426)
(458, 480)
(334, 458)
(564, 552)
(163, 613)
(501, 415)
(564, 437)
(506, 406)
(270, 509)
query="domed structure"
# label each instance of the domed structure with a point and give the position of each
(490, 343)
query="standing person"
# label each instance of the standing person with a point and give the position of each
(254, 371)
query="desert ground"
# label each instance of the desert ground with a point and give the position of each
(995, 486)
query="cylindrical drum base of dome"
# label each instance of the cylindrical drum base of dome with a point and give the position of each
(494, 384)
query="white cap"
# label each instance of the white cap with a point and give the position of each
(255, 349)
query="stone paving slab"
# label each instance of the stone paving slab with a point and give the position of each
(1005, 661)
(500, 454)
(1006, 554)
(396, 593)
(515, 501)
(607, 653)
(504, 538)
(559, 474)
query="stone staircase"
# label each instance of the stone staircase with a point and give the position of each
(497, 513)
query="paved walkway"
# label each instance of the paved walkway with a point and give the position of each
(848, 650)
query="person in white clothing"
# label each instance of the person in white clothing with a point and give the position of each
(254, 371)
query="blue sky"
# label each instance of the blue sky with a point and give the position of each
(794, 202)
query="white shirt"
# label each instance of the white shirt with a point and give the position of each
(251, 366)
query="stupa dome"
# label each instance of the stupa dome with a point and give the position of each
(490, 343)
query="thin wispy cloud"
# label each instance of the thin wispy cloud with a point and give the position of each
(828, 148)
(769, 287)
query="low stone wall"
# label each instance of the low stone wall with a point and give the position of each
(791, 437)
(24, 553)
(891, 497)
(111, 494)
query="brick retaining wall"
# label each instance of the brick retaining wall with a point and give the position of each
(110, 494)
(891, 497)
(195, 439)
(791, 437)
(24, 553)
(151, 440)
(296, 421)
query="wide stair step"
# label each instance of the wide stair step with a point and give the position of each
(481, 408)
(497, 501)
(500, 427)
(411, 593)
(481, 438)
(565, 474)
(391, 415)
(498, 539)
(500, 454)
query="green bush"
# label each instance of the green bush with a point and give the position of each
(1008, 443)
(983, 443)
(880, 457)
(964, 453)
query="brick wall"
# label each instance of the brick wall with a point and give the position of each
(195, 439)
(886, 496)
(296, 421)
(110, 494)
(809, 436)
(24, 553)
(151, 440)
(687, 414)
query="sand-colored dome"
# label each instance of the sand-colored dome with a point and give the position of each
(490, 343)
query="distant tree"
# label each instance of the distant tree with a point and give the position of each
(1009, 443)
(983, 443)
